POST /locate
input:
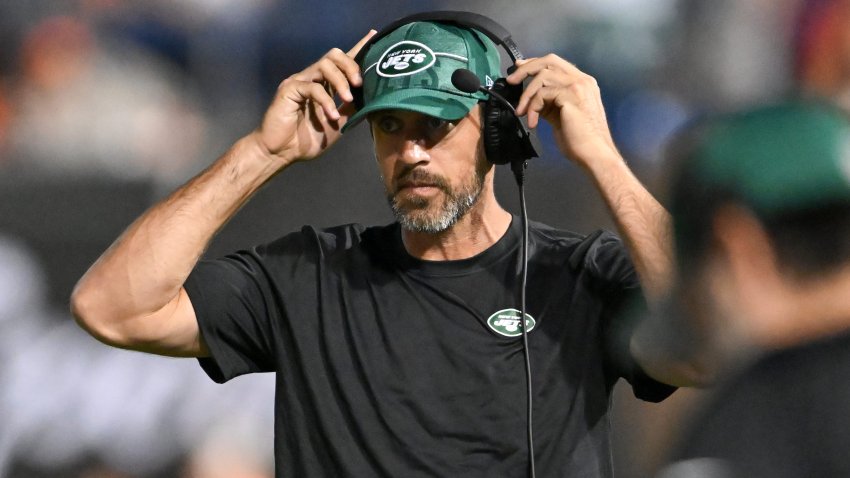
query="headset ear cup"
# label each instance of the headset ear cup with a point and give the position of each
(492, 134)
(501, 135)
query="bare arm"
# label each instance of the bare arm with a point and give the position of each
(642, 222)
(570, 101)
(133, 296)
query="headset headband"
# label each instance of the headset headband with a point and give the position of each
(485, 25)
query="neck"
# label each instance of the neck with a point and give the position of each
(483, 225)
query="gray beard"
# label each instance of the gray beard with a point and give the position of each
(417, 218)
(454, 208)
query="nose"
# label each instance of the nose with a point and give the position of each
(413, 151)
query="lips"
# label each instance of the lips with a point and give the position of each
(412, 185)
(419, 180)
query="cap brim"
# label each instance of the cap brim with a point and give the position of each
(435, 103)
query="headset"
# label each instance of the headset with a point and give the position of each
(506, 138)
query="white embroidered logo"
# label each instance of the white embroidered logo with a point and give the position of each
(506, 322)
(405, 58)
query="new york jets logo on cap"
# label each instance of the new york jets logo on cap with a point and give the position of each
(506, 322)
(405, 58)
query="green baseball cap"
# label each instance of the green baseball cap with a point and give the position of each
(778, 159)
(411, 69)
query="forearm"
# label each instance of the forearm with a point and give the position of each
(571, 102)
(147, 265)
(646, 230)
(642, 222)
(667, 349)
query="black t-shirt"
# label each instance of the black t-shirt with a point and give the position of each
(390, 366)
(787, 415)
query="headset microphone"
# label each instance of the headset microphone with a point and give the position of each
(466, 81)
(526, 144)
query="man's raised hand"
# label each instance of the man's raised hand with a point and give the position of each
(570, 101)
(304, 119)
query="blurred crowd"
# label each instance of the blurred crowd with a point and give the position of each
(131, 93)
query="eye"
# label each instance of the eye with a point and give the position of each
(388, 124)
(435, 123)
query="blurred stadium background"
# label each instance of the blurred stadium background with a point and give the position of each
(106, 105)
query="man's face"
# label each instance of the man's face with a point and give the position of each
(433, 170)
(736, 295)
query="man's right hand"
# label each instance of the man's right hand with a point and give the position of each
(304, 120)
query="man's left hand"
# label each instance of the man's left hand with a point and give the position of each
(570, 101)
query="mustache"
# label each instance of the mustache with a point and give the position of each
(417, 176)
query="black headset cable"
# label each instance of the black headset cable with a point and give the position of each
(518, 168)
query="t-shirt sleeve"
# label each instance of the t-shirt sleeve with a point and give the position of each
(235, 306)
(608, 262)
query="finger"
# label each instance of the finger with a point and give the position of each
(344, 61)
(546, 99)
(543, 79)
(553, 61)
(354, 73)
(533, 119)
(579, 89)
(301, 92)
(356, 48)
(336, 79)
(517, 65)
(535, 65)
(334, 58)
(347, 66)
(346, 111)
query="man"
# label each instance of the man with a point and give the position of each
(395, 347)
(761, 211)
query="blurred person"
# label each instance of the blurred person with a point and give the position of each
(231, 450)
(398, 349)
(761, 210)
(87, 106)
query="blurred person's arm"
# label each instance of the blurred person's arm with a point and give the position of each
(570, 101)
(133, 296)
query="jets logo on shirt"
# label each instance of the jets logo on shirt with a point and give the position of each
(405, 58)
(506, 322)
